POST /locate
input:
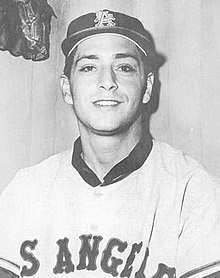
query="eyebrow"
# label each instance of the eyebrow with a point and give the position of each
(90, 57)
(127, 55)
(116, 56)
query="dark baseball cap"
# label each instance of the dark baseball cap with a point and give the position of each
(109, 22)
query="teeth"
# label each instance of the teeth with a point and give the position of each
(106, 102)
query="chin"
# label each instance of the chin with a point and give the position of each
(109, 131)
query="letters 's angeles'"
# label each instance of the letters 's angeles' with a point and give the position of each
(88, 258)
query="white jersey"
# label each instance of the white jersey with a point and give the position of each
(160, 221)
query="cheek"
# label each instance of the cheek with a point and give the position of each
(79, 91)
(82, 86)
(135, 82)
(134, 91)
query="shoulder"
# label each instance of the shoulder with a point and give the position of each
(195, 183)
(37, 179)
(172, 158)
(179, 164)
(48, 167)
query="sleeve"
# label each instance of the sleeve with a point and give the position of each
(7, 273)
(199, 239)
(11, 223)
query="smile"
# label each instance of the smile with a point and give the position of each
(107, 102)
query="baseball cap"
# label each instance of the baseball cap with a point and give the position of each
(109, 22)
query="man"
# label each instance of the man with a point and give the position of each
(121, 204)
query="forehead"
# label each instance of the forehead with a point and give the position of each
(107, 45)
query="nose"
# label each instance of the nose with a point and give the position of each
(107, 80)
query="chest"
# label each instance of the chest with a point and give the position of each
(118, 231)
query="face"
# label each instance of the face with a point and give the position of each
(107, 83)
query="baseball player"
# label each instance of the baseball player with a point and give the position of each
(119, 204)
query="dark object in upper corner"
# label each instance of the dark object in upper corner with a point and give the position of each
(25, 28)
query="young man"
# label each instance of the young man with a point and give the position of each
(120, 204)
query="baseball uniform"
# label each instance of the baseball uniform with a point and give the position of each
(155, 214)
(155, 219)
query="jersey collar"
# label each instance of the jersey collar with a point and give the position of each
(125, 167)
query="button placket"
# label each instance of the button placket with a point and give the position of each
(97, 193)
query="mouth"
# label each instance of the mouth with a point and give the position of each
(106, 103)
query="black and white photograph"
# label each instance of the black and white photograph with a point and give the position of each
(110, 139)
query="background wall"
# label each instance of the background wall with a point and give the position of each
(36, 123)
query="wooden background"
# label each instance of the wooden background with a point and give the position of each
(36, 123)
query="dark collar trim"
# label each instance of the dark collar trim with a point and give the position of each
(125, 167)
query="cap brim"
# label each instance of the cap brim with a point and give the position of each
(72, 41)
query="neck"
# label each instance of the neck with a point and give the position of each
(101, 153)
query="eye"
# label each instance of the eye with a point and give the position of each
(126, 68)
(88, 68)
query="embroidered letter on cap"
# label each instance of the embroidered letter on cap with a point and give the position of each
(103, 19)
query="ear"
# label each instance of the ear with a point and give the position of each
(149, 87)
(66, 91)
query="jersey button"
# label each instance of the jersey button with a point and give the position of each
(94, 227)
(97, 194)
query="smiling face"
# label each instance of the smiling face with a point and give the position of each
(107, 82)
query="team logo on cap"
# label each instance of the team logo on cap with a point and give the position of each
(104, 18)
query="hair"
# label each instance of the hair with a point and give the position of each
(149, 64)
(69, 62)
